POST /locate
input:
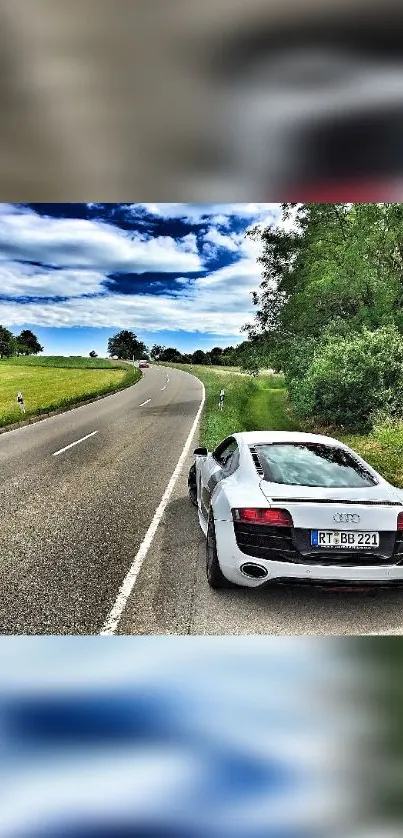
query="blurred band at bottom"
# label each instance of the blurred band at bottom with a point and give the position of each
(226, 738)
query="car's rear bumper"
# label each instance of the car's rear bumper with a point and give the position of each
(233, 560)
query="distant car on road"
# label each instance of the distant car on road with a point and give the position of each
(143, 364)
(295, 507)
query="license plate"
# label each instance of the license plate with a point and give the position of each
(345, 540)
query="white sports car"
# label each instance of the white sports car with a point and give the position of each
(295, 507)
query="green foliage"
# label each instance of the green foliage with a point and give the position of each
(25, 344)
(7, 343)
(229, 356)
(200, 357)
(301, 354)
(251, 356)
(170, 354)
(337, 263)
(28, 343)
(332, 272)
(351, 379)
(93, 354)
(250, 363)
(216, 355)
(156, 351)
(125, 345)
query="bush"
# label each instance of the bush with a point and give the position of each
(352, 381)
(298, 358)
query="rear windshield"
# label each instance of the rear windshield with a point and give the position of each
(310, 464)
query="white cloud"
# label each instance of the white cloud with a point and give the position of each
(220, 220)
(29, 281)
(239, 243)
(91, 245)
(148, 313)
(219, 214)
(215, 237)
(86, 251)
(219, 303)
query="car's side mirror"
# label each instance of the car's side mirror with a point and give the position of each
(200, 452)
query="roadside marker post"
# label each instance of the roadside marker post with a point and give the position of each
(221, 400)
(20, 400)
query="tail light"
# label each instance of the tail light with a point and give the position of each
(269, 517)
(400, 521)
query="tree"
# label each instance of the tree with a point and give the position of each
(93, 354)
(227, 359)
(125, 346)
(171, 355)
(28, 343)
(7, 343)
(156, 351)
(200, 357)
(216, 355)
(250, 362)
(336, 264)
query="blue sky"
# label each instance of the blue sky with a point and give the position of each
(176, 274)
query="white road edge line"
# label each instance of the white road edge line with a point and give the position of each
(143, 403)
(72, 444)
(112, 621)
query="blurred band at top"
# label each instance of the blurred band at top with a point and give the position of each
(114, 100)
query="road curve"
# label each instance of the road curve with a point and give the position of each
(78, 492)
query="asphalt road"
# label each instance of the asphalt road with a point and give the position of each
(72, 525)
(171, 595)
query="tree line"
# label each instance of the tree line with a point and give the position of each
(250, 355)
(218, 356)
(26, 343)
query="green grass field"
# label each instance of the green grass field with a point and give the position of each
(383, 449)
(250, 403)
(52, 383)
(261, 404)
(71, 362)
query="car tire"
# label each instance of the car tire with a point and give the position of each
(192, 486)
(215, 576)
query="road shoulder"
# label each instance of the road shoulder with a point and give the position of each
(162, 601)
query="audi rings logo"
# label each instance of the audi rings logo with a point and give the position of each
(346, 518)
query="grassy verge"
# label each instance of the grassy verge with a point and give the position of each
(55, 383)
(250, 403)
(383, 449)
(261, 404)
